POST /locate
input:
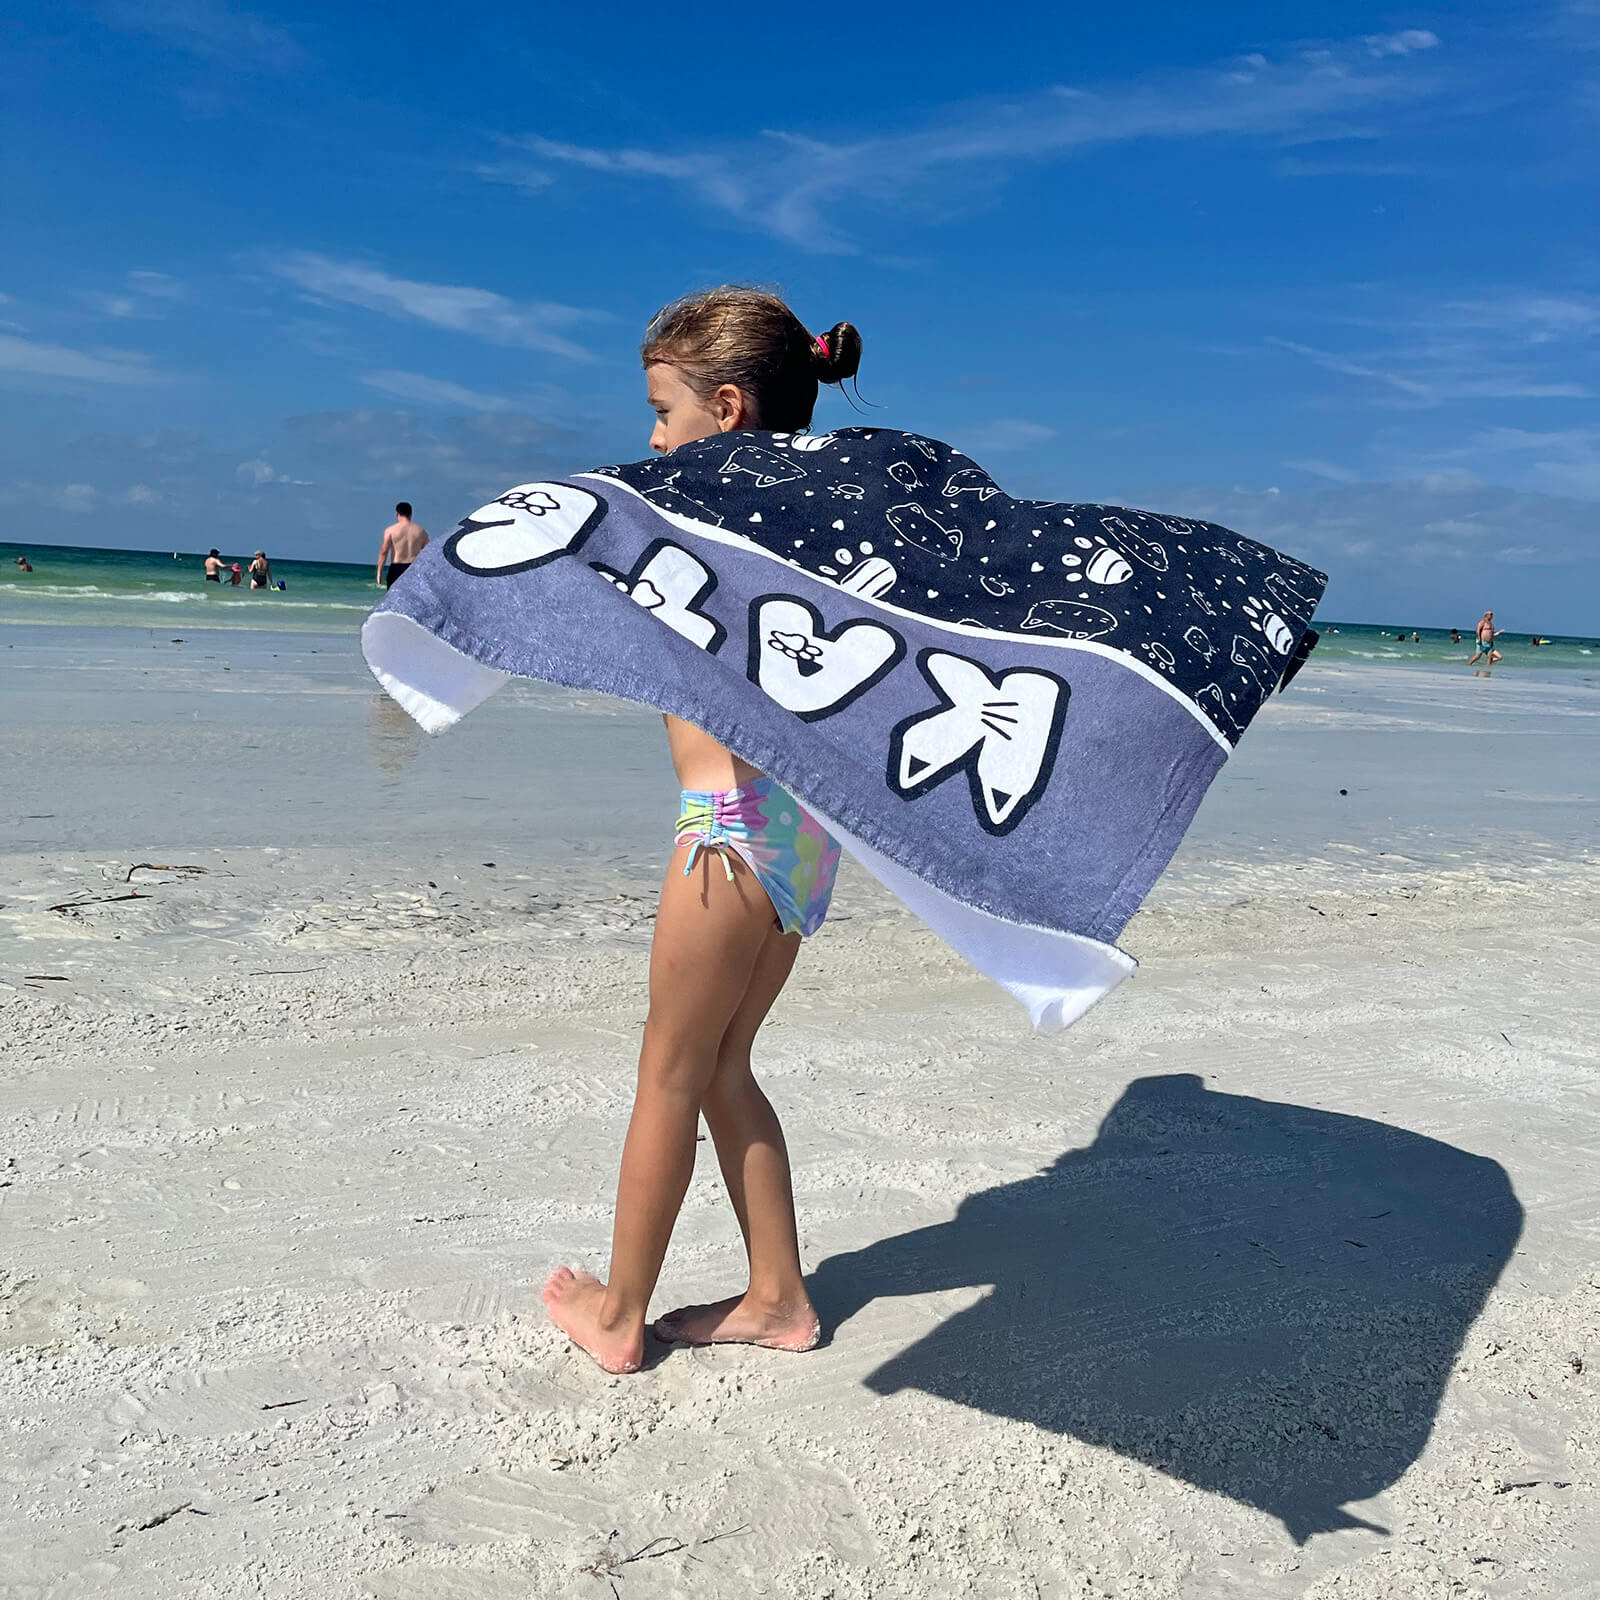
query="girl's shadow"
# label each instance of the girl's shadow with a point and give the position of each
(1262, 1299)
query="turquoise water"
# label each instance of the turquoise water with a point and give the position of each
(75, 587)
(71, 586)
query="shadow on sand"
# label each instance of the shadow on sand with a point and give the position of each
(1261, 1299)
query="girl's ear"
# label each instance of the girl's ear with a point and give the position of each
(730, 405)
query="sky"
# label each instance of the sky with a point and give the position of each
(1323, 273)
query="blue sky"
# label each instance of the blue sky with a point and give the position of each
(1325, 273)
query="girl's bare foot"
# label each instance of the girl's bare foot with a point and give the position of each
(576, 1303)
(792, 1326)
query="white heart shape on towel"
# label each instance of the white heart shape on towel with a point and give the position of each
(522, 529)
(809, 671)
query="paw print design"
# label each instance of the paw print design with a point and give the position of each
(526, 527)
(805, 653)
(643, 592)
(536, 502)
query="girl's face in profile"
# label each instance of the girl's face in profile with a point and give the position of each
(683, 416)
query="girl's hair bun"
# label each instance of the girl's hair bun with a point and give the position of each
(836, 354)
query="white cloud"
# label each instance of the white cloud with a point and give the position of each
(80, 497)
(1007, 433)
(1527, 555)
(159, 285)
(425, 391)
(209, 29)
(1565, 460)
(1331, 362)
(145, 294)
(1539, 318)
(261, 471)
(26, 358)
(1407, 42)
(1455, 525)
(1441, 373)
(792, 186)
(1295, 167)
(139, 494)
(480, 313)
(1325, 469)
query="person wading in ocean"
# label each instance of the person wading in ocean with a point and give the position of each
(1486, 637)
(403, 542)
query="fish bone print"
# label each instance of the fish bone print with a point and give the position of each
(915, 524)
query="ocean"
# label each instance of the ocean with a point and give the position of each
(73, 586)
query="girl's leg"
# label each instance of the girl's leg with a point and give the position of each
(774, 1310)
(710, 933)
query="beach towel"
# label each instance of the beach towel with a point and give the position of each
(1006, 710)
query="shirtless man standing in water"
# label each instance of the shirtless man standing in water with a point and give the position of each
(1486, 638)
(402, 543)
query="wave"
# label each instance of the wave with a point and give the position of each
(93, 592)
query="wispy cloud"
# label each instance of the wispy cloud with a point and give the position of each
(480, 313)
(425, 391)
(1006, 433)
(142, 294)
(26, 359)
(795, 186)
(1537, 318)
(209, 29)
(260, 471)
(1435, 374)
(1297, 167)
(1405, 43)
(1324, 469)
(1562, 460)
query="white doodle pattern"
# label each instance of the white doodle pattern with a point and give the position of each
(968, 554)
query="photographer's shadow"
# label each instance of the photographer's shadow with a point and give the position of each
(1261, 1299)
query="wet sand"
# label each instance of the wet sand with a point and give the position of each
(1274, 1277)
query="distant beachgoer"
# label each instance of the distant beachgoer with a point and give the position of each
(24, 564)
(1416, 638)
(403, 541)
(234, 575)
(1455, 636)
(1487, 632)
(260, 571)
(213, 568)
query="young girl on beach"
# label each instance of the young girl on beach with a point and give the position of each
(751, 875)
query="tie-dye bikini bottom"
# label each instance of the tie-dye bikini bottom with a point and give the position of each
(793, 857)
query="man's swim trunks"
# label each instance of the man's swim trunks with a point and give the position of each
(395, 569)
(793, 857)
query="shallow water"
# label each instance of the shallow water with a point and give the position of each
(90, 588)
(140, 588)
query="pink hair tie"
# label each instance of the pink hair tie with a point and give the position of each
(822, 345)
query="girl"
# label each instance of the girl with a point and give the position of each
(751, 874)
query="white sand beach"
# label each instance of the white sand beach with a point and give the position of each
(1277, 1276)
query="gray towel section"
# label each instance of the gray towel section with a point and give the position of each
(1021, 789)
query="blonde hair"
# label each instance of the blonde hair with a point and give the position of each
(751, 339)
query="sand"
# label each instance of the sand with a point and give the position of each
(1276, 1276)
